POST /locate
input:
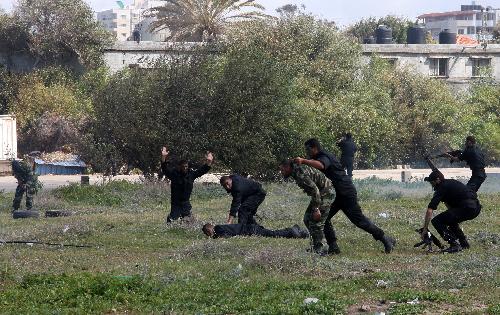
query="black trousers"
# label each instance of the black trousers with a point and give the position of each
(179, 210)
(256, 229)
(477, 179)
(349, 205)
(348, 165)
(248, 208)
(446, 223)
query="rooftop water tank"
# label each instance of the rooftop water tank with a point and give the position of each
(383, 34)
(447, 37)
(416, 34)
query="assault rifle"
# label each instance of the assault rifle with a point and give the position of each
(428, 241)
(455, 153)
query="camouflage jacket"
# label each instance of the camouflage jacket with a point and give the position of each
(313, 182)
(22, 171)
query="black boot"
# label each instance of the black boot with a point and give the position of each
(333, 249)
(389, 243)
(464, 243)
(454, 248)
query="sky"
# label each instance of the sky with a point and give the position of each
(343, 12)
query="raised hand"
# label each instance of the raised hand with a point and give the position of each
(209, 158)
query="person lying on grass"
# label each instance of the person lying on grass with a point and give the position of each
(231, 230)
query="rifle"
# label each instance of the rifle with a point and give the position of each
(428, 241)
(45, 243)
(432, 166)
(455, 153)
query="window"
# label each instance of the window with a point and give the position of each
(123, 25)
(461, 31)
(480, 66)
(438, 67)
(471, 30)
(123, 16)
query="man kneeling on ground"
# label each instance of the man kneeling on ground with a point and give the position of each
(463, 205)
(230, 230)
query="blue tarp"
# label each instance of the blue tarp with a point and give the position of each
(74, 167)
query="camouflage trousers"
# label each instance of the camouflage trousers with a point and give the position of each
(21, 189)
(316, 228)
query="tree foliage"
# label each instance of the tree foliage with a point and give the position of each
(201, 20)
(366, 27)
(55, 32)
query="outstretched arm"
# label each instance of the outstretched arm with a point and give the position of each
(312, 163)
(235, 207)
(209, 158)
(165, 164)
(427, 220)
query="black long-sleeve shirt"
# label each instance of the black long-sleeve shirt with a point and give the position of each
(230, 230)
(182, 184)
(348, 148)
(454, 194)
(335, 172)
(474, 158)
(241, 189)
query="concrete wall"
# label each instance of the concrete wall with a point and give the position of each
(144, 54)
(460, 59)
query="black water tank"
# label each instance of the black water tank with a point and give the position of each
(369, 40)
(447, 37)
(416, 34)
(383, 34)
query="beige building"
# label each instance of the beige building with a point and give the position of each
(472, 20)
(123, 20)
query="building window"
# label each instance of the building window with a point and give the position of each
(123, 25)
(471, 30)
(461, 31)
(480, 66)
(438, 67)
(123, 16)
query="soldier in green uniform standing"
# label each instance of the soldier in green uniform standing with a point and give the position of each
(27, 183)
(315, 184)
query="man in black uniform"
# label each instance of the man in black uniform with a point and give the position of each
(475, 159)
(182, 179)
(346, 196)
(230, 230)
(348, 148)
(247, 197)
(462, 204)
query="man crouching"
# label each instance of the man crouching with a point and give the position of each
(316, 185)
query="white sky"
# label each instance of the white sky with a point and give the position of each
(343, 12)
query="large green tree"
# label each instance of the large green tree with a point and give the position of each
(201, 20)
(55, 32)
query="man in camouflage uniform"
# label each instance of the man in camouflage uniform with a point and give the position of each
(316, 185)
(27, 183)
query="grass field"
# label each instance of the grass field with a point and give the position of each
(139, 265)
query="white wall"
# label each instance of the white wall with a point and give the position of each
(8, 137)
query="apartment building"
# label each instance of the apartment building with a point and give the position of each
(472, 20)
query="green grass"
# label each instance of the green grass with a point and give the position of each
(139, 265)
